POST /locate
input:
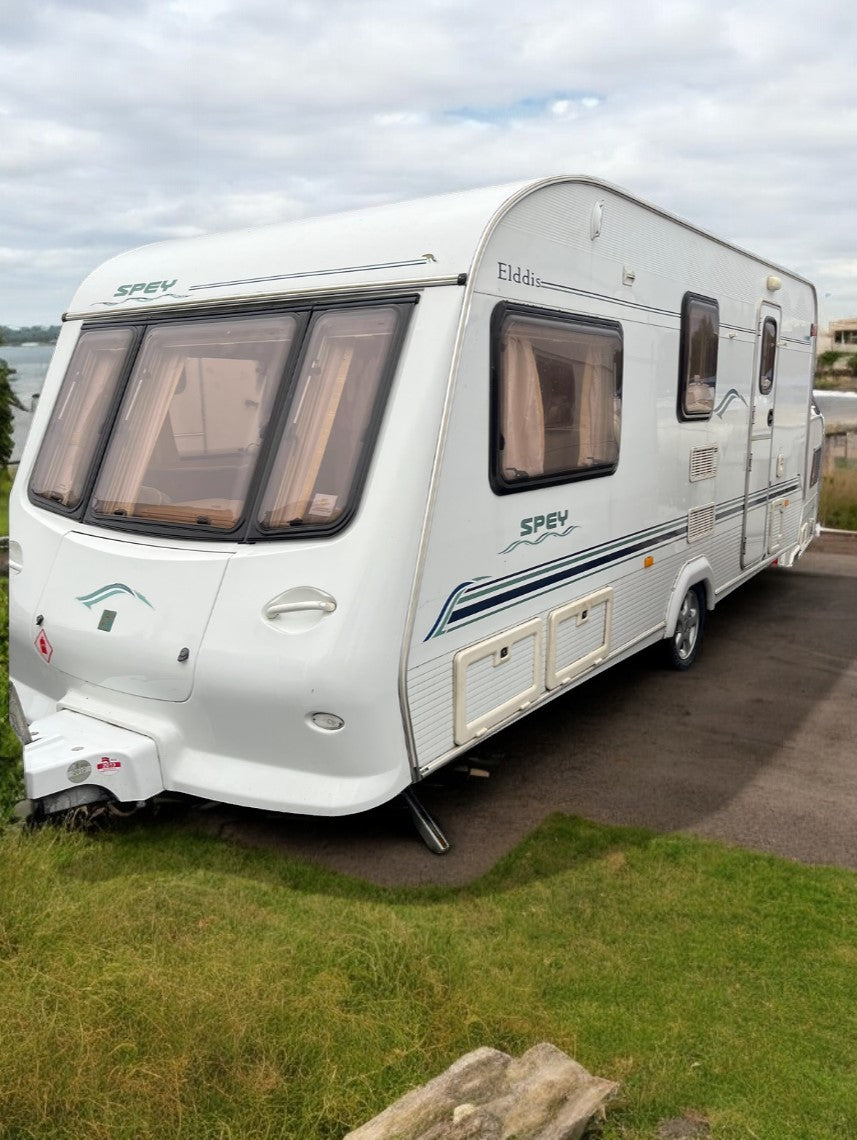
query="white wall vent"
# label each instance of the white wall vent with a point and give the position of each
(703, 463)
(700, 523)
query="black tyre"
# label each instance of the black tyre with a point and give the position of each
(684, 645)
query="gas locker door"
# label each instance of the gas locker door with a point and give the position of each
(757, 487)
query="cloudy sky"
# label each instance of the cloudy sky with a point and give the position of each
(122, 123)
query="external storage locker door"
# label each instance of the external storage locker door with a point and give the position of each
(496, 678)
(578, 637)
(776, 525)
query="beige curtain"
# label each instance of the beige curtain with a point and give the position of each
(77, 418)
(335, 395)
(152, 390)
(317, 405)
(597, 412)
(522, 411)
(67, 463)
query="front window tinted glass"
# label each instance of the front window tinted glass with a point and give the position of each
(330, 416)
(700, 328)
(557, 399)
(192, 421)
(80, 416)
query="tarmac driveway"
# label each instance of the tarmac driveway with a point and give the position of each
(755, 745)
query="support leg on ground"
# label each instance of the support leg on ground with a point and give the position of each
(429, 829)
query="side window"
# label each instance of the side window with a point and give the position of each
(697, 378)
(556, 400)
(769, 355)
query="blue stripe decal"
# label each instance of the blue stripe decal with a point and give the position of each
(477, 597)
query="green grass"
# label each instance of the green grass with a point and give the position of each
(156, 982)
(838, 499)
(11, 782)
(5, 486)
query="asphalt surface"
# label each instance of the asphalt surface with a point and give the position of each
(755, 745)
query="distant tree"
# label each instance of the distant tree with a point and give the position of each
(30, 334)
(851, 364)
(8, 401)
(826, 360)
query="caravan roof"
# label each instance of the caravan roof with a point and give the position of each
(409, 243)
(416, 243)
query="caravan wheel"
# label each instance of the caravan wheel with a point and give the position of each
(683, 646)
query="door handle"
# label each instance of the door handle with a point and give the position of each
(771, 418)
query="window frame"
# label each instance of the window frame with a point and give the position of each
(580, 321)
(246, 529)
(689, 300)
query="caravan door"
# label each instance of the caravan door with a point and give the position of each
(757, 487)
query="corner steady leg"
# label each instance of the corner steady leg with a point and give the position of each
(429, 829)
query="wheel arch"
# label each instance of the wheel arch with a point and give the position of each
(697, 572)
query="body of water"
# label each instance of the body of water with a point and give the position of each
(31, 365)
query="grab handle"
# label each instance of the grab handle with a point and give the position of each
(299, 609)
(274, 609)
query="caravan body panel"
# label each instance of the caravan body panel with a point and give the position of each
(622, 547)
(396, 478)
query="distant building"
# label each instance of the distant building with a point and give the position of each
(840, 336)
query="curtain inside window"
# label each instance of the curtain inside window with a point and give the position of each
(78, 419)
(313, 475)
(309, 431)
(597, 439)
(141, 421)
(522, 415)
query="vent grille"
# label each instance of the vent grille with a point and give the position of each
(816, 467)
(703, 463)
(700, 523)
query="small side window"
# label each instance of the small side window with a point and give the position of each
(769, 355)
(697, 378)
(557, 398)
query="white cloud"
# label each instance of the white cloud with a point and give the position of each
(121, 125)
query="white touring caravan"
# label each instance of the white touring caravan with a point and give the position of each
(309, 510)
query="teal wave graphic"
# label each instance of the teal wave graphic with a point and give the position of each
(540, 539)
(732, 395)
(110, 591)
(145, 300)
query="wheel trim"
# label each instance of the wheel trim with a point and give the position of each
(687, 626)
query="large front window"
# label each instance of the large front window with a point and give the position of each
(192, 422)
(210, 405)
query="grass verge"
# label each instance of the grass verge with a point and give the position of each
(154, 982)
(837, 506)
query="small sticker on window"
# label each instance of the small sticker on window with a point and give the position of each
(323, 506)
